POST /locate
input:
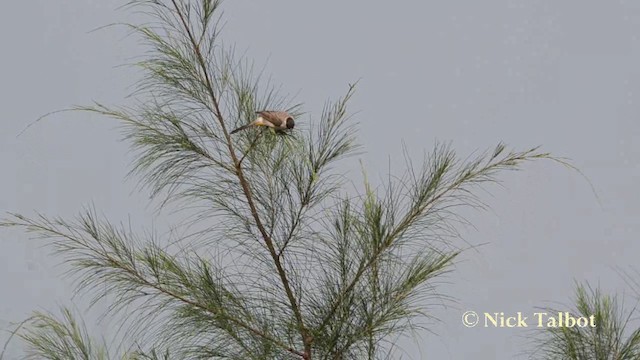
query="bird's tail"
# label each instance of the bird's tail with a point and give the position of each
(242, 128)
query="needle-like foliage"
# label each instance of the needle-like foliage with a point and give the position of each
(611, 339)
(289, 265)
(49, 338)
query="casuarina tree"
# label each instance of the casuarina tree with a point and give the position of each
(287, 262)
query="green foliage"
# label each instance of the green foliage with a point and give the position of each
(49, 338)
(295, 268)
(610, 339)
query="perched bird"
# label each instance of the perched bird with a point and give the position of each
(277, 120)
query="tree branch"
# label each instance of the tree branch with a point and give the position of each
(468, 175)
(103, 253)
(306, 338)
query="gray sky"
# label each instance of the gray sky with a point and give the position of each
(561, 74)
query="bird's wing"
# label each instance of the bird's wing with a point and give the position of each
(277, 118)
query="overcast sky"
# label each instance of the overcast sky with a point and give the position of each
(561, 74)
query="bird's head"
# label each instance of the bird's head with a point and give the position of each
(290, 123)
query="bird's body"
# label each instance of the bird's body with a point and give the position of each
(277, 120)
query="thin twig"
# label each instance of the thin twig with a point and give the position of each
(255, 140)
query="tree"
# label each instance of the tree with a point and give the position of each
(610, 339)
(295, 267)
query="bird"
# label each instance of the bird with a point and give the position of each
(277, 120)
